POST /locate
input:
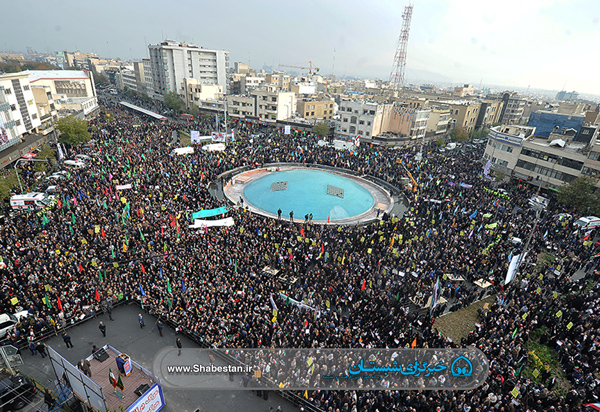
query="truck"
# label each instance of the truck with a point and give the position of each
(30, 201)
(587, 222)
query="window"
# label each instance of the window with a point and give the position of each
(8, 91)
(352, 129)
(312, 107)
(13, 107)
(18, 122)
(312, 113)
(368, 123)
(26, 87)
(306, 113)
(345, 120)
(367, 133)
(353, 119)
(34, 116)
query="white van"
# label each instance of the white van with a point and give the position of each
(587, 222)
(33, 200)
(451, 146)
(182, 151)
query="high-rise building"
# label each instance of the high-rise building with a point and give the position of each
(174, 61)
(563, 95)
(513, 108)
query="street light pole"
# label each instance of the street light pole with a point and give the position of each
(17, 173)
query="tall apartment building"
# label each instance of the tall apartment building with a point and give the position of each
(563, 95)
(127, 79)
(140, 78)
(18, 112)
(514, 106)
(172, 62)
(46, 108)
(149, 86)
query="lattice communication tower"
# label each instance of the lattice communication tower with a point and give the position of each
(397, 74)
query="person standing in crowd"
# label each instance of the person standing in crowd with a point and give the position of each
(102, 328)
(41, 348)
(141, 320)
(160, 326)
(67, 340)
(179, 346)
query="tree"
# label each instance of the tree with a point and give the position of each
(439, 141)
(194, 109)
(321, 129)
(582, 195)
(73, 131)
(100, 80)
(459, 135)
(173, 101)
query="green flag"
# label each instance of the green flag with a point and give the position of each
(169, 302)
(142, 236)
(168, 286)
(99, 275)
(104, 204)
(112, 249)
(287, 300)
(73, 217)
(514, 333)
(47, 300)
(45, 220)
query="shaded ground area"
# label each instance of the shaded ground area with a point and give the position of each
(125, 334)
(459, 324)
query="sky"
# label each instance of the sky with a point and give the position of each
(545, 44)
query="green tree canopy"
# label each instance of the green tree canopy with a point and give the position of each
(582, 195)
(321, 129)
(100, 79)
(459, 135)
(73, 131)
(173, 101)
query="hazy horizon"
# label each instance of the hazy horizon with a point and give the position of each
(537, 44)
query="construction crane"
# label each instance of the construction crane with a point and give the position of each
(311, 69)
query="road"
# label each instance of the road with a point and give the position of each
(141, 345)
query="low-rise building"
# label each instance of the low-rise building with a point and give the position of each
(504, 146)
(195, 92)
(546, 162)
(315, 109)
(439, 121)
(241, 106)
(46, 108)
(546, 122)
(72, 90)
(274, 105)
(464, 113)
(279, 80)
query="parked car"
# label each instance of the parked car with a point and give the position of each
(83, 158)
(75, 164)
(16, 391)
(8, 321)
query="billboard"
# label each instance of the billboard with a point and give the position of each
(153, 400)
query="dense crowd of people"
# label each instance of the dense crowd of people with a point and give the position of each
(99, 245)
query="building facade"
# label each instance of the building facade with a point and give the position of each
(489, 114)
(196, 93)
(316, 109)
(279, 80)
(46, 108)
(149, 86)
(241, 106)
(512, 108)
(563, 95)
(19, 99)
(174, 61)
(72, 90)
(357, 117)
(439, 121)
(274, 105)
(464, 114)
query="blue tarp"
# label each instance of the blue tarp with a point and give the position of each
(209, 212)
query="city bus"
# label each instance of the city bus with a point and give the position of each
(187, 117)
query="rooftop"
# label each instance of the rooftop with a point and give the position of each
(35, 75)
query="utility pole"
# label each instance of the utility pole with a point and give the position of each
(538, 212)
